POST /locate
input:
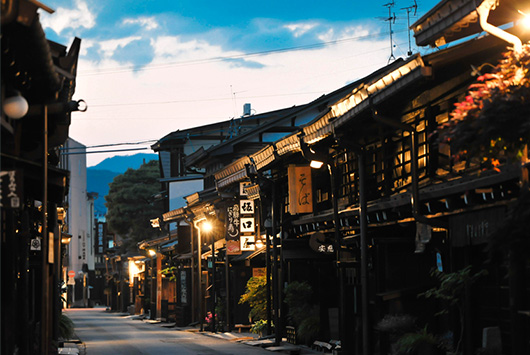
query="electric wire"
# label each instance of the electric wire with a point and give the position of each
(137, 68)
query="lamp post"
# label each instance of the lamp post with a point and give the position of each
(205, 227)
(316, 162)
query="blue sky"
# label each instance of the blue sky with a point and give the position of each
(151, 67)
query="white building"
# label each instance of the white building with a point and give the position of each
(80, 225)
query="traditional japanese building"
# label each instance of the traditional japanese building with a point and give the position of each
(389, 203)
(38, 83)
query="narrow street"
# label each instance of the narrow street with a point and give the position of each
(110, 333)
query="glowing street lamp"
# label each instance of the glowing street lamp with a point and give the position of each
(206, 227)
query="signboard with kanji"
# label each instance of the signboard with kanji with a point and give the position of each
(246, 206)
(247, 243)
(11, 189)
(300, 189)
(242, 185)
(233, 229)
(247, 225)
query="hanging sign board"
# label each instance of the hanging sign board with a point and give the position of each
(474, 228)
(247, 225)
(247, 243)
(11, 189)
(242, 185)
(246, 206)
(300, 189)
(232, 229)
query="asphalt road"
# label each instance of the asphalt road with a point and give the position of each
(109, 333)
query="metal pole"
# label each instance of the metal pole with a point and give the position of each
(199, 268)
(45, 301)
(364, 252)
(227, 300)
(336, 221)
(193, 279)
(268, 284)
(275, 281)
(213, 282)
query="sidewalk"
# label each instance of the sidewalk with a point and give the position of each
(76, 346)
(243, 337)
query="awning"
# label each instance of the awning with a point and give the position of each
(153, 242)
(249, 254)
(169, 246)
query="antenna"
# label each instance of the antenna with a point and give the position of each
(409, 10)
(233, 94)
(391, 20)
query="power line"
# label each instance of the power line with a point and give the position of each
(116, 70)
(110, 145)
(104, 151)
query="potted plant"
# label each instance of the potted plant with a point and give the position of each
(421, 343)
(395, 326)
(302, 314)
(451, 289)
(259, 327)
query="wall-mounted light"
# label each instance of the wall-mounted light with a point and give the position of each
(151, 252)
(206, 227)
(15, 106)
(316, 164)
(259, 244)
(65, 239)
(316, 160)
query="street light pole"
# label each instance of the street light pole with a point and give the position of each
(346, 342)
(213, 281)
(199, 273)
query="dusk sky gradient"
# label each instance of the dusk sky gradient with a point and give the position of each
(148, 68)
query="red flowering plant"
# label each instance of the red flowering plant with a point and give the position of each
(492, 123)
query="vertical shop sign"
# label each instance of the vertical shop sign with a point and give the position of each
(300, 189)
(232, 230)
(11, 189)
(183, 287)
(247, 225)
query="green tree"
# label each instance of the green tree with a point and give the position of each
(131, 204)
(256, 297)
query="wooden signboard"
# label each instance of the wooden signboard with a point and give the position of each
(300, 189)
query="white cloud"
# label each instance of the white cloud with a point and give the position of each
(299, 29)
(149, 23)
(347, 32)
(180, 89)
(109, 46)
(174, 48)
(74, 18)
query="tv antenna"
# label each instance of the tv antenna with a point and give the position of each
(391, 20)
(409, 10)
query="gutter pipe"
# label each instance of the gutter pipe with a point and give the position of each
(483, 11)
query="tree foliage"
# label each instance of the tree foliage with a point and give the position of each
(492, 123)
(256, 297)
(131, 204)
(451, 289)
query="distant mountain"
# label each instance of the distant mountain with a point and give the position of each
(100, 176)
(120, 164)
